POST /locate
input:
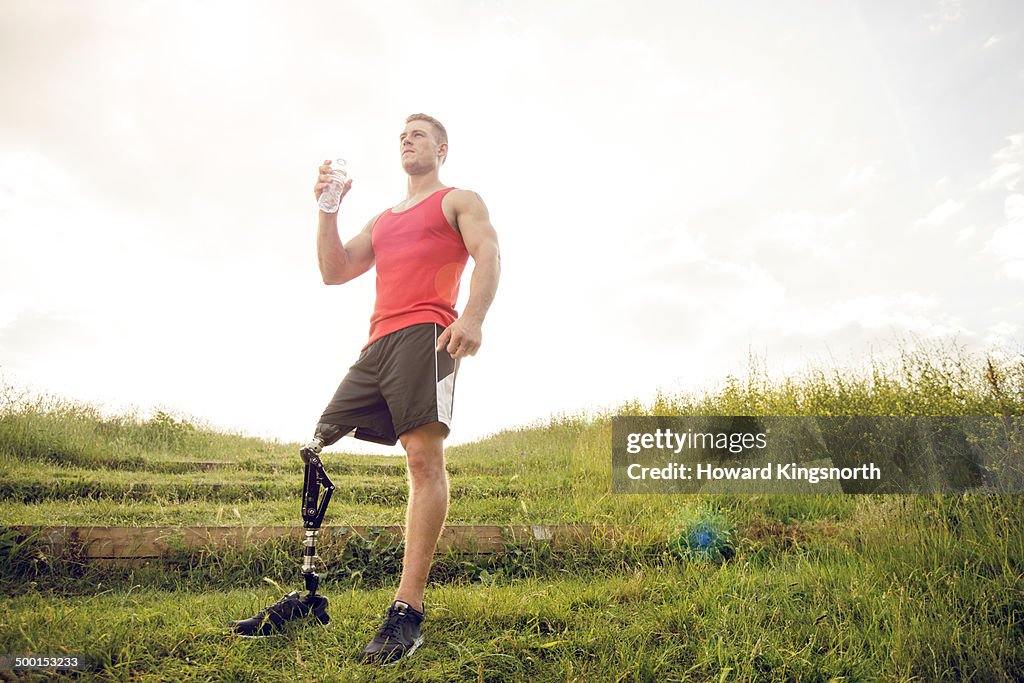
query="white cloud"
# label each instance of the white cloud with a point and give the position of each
(1014, 269)
(941, 213)
(1009, 165)
(992, 41)
(29, 177)
(1014, 207)
(1003, 330)
(966, 234)
(1007, 243)
(858, 178)
(903, 312)
(817, 234)
(11, 306)
(947, 12)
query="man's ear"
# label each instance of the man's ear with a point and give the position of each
(443, 149)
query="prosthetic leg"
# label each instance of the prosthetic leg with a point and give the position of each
(315, 501)
(316, 495)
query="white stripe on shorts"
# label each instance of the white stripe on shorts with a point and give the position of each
(445, 389)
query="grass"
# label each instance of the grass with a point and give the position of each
(821, 588)
(910, 589)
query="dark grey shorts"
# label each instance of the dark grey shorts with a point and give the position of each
(399, 383)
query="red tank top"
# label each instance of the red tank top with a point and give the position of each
(420, 259)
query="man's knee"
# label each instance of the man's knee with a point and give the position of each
(424, 450)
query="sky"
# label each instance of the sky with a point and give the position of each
(676, 187)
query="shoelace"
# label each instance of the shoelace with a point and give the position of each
(392, 624)
(276, 606)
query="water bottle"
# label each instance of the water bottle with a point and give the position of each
(330, 198)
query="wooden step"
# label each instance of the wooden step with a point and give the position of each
(128, 545)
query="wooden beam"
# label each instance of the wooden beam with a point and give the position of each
(141, 543)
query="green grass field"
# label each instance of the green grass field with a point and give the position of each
(821, 587)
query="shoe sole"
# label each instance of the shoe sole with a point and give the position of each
(408, 653)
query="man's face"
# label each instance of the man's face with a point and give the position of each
(419, 148)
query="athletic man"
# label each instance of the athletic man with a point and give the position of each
(402, 386)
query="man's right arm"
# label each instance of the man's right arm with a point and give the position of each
(340, 263)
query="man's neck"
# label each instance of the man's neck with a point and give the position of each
(422, 184)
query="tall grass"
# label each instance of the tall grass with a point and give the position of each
(50, 430)
(923, 378)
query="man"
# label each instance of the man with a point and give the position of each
(402, 386)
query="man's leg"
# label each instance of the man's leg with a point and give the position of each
(427, 508)
(416, 381)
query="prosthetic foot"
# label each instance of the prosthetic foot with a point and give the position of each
(269, 620)
(316, 495)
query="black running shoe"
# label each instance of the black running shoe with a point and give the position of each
(398, 637)
(268, 621)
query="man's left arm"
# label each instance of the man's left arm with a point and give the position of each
(463, 337)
